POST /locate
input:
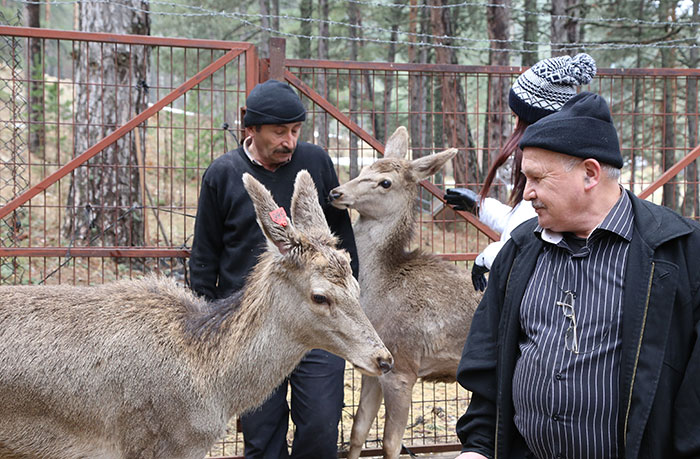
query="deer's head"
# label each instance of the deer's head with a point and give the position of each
(316, 278)
(388, 185)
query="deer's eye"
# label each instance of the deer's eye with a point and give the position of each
(385, 183)
(319, 299)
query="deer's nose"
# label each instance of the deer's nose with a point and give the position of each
(334, 194)
(385, 365)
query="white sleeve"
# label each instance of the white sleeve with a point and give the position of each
(494, 214)
(520, 213)
(486, 257)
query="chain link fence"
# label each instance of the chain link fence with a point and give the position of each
(13, 147)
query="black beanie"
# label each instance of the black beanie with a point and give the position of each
(273, 102)
(582, 128)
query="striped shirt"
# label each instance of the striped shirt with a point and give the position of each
(565, 384)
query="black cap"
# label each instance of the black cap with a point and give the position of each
(582, 128)
(273, 102)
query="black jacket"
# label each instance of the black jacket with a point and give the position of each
(227, 238)
(660, 378)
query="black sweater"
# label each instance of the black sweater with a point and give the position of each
(227, 238)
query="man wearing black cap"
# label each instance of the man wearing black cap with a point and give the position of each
(586, 342)
(228, 241)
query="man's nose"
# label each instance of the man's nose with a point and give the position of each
(529, 192)
(288, 140)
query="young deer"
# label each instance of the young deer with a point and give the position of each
(145, 369)
(421, 306)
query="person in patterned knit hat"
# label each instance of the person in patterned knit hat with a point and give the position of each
(541, 90)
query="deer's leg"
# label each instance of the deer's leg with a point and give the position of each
(370, 399)
(398, 391)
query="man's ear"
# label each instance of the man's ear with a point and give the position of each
(243, 129)
(592, 171)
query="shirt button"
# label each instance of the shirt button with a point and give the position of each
(558, 376)
(555, 417)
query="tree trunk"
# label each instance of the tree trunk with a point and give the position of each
(670, 196)
(37, 129)
(636, 118)
(669, 136)
(381, 116)
(264, 45)
(275, 15)
(322, 118)
(417, 83)
(581, 13)
(691, 203)
(564, 30)
(455, 124)
(497, 131)
(381, 123)
(530, 34)
(104, 201)
(355, 77)
(306, 11)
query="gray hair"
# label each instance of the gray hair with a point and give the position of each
(569, 162)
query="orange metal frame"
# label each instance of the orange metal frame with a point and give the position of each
(235, 50)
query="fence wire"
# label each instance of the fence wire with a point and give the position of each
(13, 148)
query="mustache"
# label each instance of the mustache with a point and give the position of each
(537, 204)
(283, 150)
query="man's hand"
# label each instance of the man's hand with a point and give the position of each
(478, 279)
(462, 199)
(470, 455)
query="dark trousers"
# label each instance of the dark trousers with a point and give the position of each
(316, 405)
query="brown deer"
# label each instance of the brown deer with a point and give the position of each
(145, 369)
(421, 306)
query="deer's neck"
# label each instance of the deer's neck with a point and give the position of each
(383, 241)
(256, 348)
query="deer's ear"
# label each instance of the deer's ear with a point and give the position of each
(306, 211)
(397, 145)
(428, 165)
(272, 219)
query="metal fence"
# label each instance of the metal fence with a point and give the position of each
(192, 91)
(13, 150)
(189, 114)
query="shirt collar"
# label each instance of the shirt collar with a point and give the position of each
(247, 142)
(619, 221)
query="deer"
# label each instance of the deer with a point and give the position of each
(420, 305)
(146, 369)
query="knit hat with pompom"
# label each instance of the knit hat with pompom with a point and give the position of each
(545, 87)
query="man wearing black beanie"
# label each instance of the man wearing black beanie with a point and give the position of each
(227, 242)
(585, 344)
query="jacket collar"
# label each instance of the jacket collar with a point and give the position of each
(657, 224)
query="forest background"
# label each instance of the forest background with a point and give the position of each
(619, 34)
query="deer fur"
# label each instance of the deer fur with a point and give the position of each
(420, 305)
(146, 369)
